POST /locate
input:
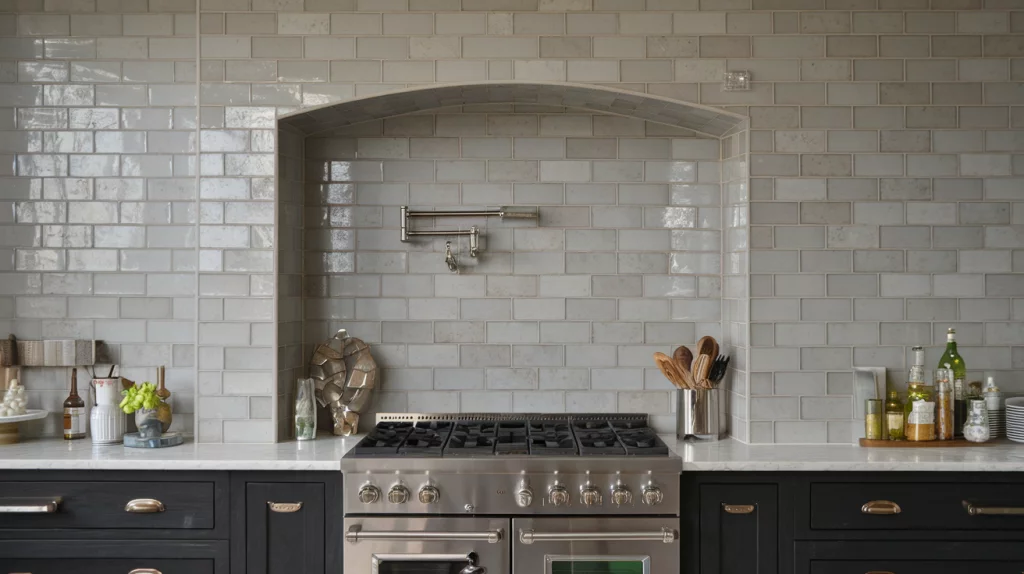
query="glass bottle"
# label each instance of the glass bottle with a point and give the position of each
(943, 405)
(976, 428)
(951, 359)
(305, 410)
(873, 419)
(894, 417)
(920, 409)
(74, 411)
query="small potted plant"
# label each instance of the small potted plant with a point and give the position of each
(144, 402)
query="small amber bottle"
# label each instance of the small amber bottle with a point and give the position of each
(894, 416)
(74, 411)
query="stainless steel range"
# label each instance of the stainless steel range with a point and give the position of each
(511, 494)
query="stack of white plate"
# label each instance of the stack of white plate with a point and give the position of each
(997, 423)
(1015, 419)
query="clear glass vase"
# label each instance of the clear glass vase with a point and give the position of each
(305, 410)
(976, 427)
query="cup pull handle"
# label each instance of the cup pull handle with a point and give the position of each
(145, 571)
(284, 506)
(144, 506)
(738, 508)
(881, 507)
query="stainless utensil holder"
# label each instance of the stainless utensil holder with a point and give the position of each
(700, 413)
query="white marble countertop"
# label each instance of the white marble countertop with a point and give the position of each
(324, 453)
(1005, 456)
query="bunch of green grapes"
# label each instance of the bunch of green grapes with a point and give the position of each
(139, 397)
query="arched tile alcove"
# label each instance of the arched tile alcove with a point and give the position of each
(576, 334)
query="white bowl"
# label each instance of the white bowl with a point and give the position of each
(1017, 402)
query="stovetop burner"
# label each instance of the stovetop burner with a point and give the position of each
(532, 435)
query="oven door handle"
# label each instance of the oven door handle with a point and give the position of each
(470, 560)
(665, 535)
(357, 534)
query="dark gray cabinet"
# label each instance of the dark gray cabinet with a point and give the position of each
(853, 522)
(204, 522)
(284, 528)
(739, 529)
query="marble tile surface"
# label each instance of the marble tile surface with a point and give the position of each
(732, 455)
(50, 454)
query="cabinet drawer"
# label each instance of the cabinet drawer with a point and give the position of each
(113, 557)
(106, 566)
(908, 558)
(916, 506)
(103, 504)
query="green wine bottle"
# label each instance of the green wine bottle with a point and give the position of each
(951, 359)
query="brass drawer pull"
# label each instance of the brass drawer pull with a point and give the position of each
(881, 507)
(974, 510)
(284, 506)
(30, 505)
(144, 506)
(738, 508)
(145, 571)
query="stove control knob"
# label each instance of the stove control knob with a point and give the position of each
(558, 495)
(429, 494)
(590, 496)
(369, 494)
(621, 496)
(652, 495)
(398, 494)
(524, 498)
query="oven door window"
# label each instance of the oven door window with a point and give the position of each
(598, 565)
(424, 564)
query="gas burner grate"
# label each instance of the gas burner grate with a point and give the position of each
(505, 435)
(551, 439)
(426, 439)
(512, 439)
(383, 440)
(472, 439)
(597, 438)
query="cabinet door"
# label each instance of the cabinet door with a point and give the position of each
(284, 526)
(739, 529)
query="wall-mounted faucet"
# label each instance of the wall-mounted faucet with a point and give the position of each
(473, 232)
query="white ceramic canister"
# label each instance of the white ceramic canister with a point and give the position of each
(107, 422)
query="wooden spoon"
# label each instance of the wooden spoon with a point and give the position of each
(665, 364)
(683, 357)
(706, 346)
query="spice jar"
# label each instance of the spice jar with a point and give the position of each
(976, 428)
(894, 417)
(944, 428)
(873, 419)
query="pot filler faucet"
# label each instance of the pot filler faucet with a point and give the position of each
(473, 232)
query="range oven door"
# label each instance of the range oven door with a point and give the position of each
(595, 546)
(399, 545)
